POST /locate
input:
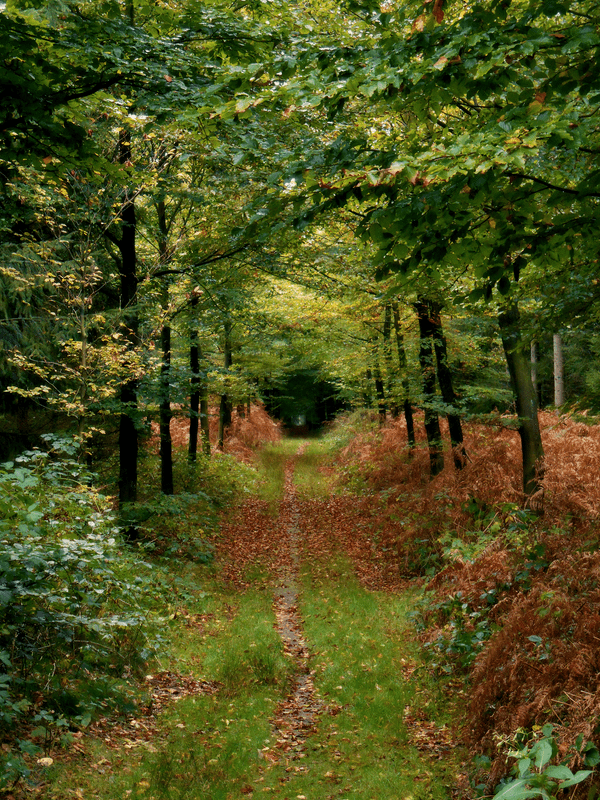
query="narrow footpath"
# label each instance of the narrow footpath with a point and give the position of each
(357, 721)
(296, 716)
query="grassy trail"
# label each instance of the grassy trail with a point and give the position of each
(320, 690)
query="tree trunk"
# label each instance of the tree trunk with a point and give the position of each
(128, 435)
(166, 443)
(526, 405)
(204, 421)
(225, 404)
(387, 355)
(198, 394)
(379, 390)
(559, 377)
(459, 454)
(194, 388)
(427, 362)
(534, 366)
(402, 361)
(368, 393)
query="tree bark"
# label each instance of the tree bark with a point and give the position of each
(165, 414)
(194, 385)
(534, 368)
(198, 395)
(526, 405)
(225, 403)
(427, 362)
(559, 377)
(380, 391)
(402, 362)
(459, 454)
(387, 355)
(128, 435)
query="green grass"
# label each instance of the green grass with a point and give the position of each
(361, 643)
(367, 671)
(208, 744)
(311, 483)
(271, 465)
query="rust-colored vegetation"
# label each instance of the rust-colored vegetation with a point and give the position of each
(514, 597)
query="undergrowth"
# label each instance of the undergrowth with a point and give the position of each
(75, 605)
(513, 598)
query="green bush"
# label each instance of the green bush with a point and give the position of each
(72, 608)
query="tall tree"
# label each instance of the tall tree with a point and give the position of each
(526, 402)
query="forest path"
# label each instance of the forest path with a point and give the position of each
(294, 671)
(295, 716)
(360, 721)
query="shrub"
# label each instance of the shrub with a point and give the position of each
(71, 597)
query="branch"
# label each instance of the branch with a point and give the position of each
(547, 184)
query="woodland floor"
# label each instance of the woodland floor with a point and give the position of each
(355, 715)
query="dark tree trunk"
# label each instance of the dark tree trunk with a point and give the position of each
(194, 387)
(225, 404)
(427, 362)
(128, 434)
(165, 414)
(368, 393)
(387, 355)
(379, 390)
(519, 369)
(204, 422)
(459, 454)
(166, 444)
(402, 361)
(198, 394)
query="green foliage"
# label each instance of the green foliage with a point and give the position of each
(181, 524)
(538, 772)
(464, 631)
(73, 601)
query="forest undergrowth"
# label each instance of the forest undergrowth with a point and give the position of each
(504, 603)
(512, 598)
(376, 725)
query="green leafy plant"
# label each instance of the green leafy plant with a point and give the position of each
(74, 603)
(463, 635)
(534, 773)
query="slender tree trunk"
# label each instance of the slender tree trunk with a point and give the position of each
(204, 421)
(166, 444)
(128, 435)
(83, 364)
(225, 404)
(387, 355)
(402, 362)
(380, 391)
(195, 385)
(534, 368)
(368, 393)
(198, 394)
(427, 362)
(459, 454)
(526, 404)
(165, 414)
(559, 377)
